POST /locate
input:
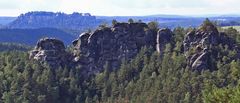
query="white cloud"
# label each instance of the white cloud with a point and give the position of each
(223, 3)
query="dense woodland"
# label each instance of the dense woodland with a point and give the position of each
(31, 36)
(14, 47)
(148, 78)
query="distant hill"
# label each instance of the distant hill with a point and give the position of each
(31, 36)
(6, 20)
(168, 16)
(29, 27)
(76, 23)
(172, 21)
(42, 19)
(169, 21)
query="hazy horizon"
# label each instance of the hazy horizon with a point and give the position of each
(123, 7)
(160, 14)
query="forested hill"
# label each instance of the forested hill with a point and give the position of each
(31, 36)
(5, 20)
(130, 62)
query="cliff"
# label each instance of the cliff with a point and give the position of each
(74, 21)
(123, 41)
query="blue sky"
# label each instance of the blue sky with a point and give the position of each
(122, 7)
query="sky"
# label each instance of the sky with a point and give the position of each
(122, 7)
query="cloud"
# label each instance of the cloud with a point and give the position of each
(223, 3)
(9, 4)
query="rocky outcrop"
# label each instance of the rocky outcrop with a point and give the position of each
(49, 51)
(41, 19)
(164, 37)
(200, 46)
(123, 41)
(111, 44)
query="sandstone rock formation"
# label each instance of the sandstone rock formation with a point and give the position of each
(200, 46)
(50, 51)
(41, 19)
(164, 36)
(122, 41)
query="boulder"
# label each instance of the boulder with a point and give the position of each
(49, 51)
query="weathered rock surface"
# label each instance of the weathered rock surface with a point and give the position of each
(198, 42)
(41, 19)
(50, 51)
(200, 46)
(122, 41)
(164, 37)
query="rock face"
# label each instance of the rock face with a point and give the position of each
(50, 51)
(197, 44)
(122, 41)
(200, 46)
(164, 36)
(41, 19)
